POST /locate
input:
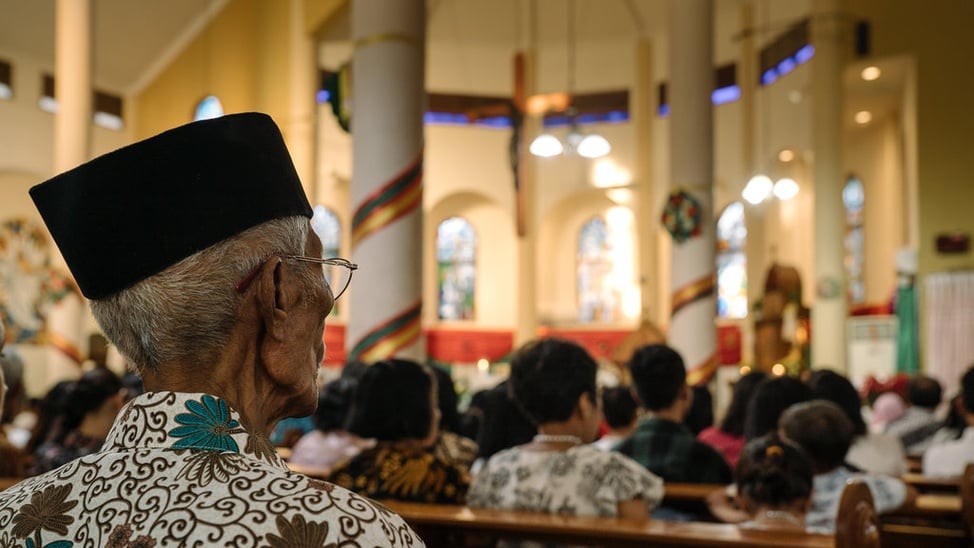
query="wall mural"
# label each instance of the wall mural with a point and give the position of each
(29, 286)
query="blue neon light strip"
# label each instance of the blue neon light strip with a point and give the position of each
(803, 55)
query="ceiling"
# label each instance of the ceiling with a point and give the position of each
(133, 40)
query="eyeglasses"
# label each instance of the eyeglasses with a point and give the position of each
(344, 275)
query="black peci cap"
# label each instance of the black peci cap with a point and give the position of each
(134, 212)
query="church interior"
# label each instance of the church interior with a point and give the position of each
(853, 252)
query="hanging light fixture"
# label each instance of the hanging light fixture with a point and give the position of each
(785, 189)
(546, 145)
(586, 145)
(593, 145)
(758, 189)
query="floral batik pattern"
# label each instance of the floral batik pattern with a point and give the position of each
(583, 481)
(180, 469)
(410, 474)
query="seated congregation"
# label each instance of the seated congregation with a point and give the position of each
(391, 431)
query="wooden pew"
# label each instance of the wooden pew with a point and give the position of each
(967, 498)
(934, 518)
(317, 473)
(8, 482)
(446, 525)
(926, 484)
(914, 464)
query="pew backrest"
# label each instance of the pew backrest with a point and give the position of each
(857, 523)
(967, 498)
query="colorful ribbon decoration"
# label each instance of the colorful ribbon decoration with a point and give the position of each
(702, 373)
(66, 347)
(390, 202)
(692, 292)
(386, 339)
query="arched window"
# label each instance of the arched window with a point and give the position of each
(732, 263)
(597, 296)
(854, 198)
(326, 225)
(456, 252)
(209, 107)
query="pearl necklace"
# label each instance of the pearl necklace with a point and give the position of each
(779, 516)
(557, 438)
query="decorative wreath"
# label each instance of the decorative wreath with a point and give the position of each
(682, 216)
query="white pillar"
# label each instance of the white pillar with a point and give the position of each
(693, 287)
(72, 143)
(830, 309)
(388, 98)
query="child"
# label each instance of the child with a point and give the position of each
(774, 484)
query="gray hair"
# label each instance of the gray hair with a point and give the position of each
(188, 311)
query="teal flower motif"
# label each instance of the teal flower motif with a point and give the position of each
(207, 426)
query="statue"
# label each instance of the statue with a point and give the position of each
(781, 325)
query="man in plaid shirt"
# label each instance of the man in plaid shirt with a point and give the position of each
(661, 442)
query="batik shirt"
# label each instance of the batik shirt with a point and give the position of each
(402, 472)
(582, 481)
(179, 469)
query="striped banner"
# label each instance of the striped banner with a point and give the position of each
(693, 292)
(703, 372)
(387, 338)
(397, 198)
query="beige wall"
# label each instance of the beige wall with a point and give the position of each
(494, 304)
(873, 154)
(27, 132)
(242, 57)
(938, 35)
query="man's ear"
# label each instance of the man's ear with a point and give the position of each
(276, 294)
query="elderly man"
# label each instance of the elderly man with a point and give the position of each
(196, 251)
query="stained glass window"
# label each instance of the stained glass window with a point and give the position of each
(456, 253)
(209, 107)
(598, 298)
(854, 198)
(732, 263)
(326, 225)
